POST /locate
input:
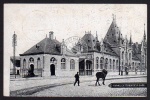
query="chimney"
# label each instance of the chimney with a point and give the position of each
(51, 35)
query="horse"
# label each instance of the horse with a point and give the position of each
(101, 75)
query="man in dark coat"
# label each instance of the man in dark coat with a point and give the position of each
(76, 79)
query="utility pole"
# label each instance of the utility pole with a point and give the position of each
(14, 44)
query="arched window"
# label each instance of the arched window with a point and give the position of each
(113, 64)
(97, 62)
(24, 63)
(38, 63)
(110, 64)
(106, 63)
(72, 64)
(31, 61)
(52, 60)
(122, 55)
(102, 62)
(132, 65)
(117, 65)
(63, 63)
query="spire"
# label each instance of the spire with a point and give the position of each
(144, 32)
(130, 42)
(113, 17)
(46, 35)
(142, 47)
(96, 36)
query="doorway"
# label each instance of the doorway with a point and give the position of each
(52, 69)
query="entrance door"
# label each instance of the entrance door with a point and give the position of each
(31, 71)
(52, 69)
(18, 72)
(88, 67)
(32, 68)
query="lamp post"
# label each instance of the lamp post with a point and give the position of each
(119, 60)
(14, 44)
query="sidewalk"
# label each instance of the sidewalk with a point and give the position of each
(23, 83)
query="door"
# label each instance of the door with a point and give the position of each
(52, 69)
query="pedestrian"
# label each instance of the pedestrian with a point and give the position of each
(121, 72)
(135, 70)
(76, 79)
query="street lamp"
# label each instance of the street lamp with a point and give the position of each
(119, 60)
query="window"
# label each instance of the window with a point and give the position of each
(97, 64)
(117, 65)
(72, 64)
(63, 63)
(53, 60)
(110, 63)
(122, 55)
(113, 64)
(24, 64)
(101, 62)
(31, 60)
(106, 63)
(38, 63)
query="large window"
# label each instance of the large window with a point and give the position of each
(132, 65)
(63, 63)
(38, 63)
(24, 64)
(113, 64)
(97, 62)
(106, 63)
(122, 55)
(102, 62)
(117, 65)
(110, 63)
(72, 64)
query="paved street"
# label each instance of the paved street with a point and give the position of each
(88, 89)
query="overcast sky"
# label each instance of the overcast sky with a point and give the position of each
(31, 22)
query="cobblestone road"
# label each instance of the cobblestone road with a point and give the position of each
(88, 89)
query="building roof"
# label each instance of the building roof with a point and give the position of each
(46, 46)
(89, 40)
(109, 50)
(113, 35)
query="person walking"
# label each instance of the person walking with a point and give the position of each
(76, 79)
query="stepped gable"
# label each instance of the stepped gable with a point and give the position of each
(113, 36)
(46, 46)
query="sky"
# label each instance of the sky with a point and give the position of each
(32, 22)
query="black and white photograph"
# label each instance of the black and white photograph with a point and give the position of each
(75, 50)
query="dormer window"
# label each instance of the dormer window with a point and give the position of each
(37, 46)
